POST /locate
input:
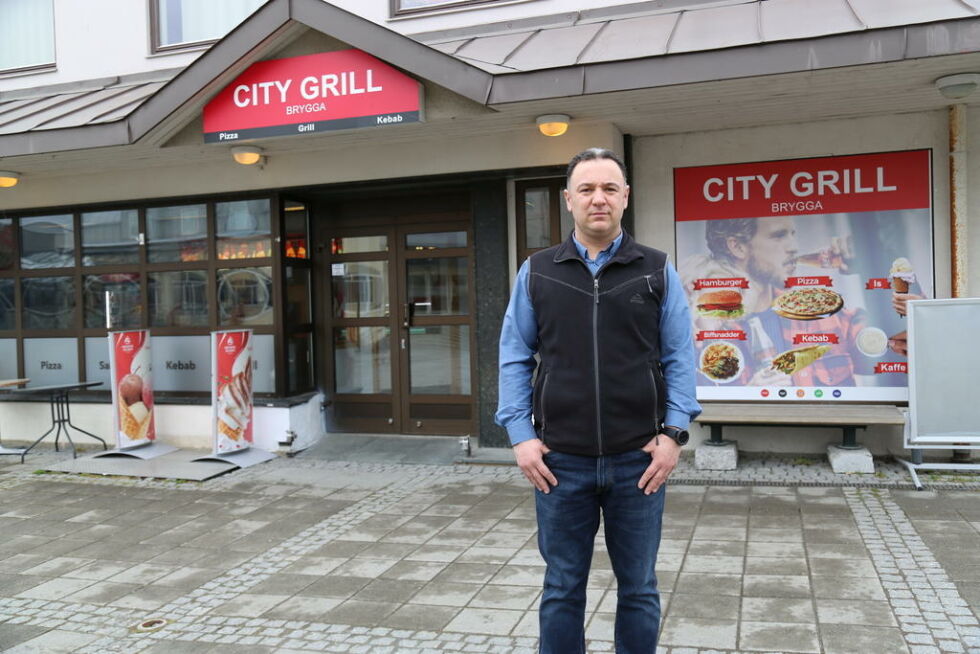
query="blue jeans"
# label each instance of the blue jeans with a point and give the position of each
(568, 519)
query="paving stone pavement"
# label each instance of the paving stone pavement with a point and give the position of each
(307, 555)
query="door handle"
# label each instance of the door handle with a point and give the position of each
(409, 312)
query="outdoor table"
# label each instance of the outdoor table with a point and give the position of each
(60, 415)
(4, 383)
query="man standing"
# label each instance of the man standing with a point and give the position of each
(602, 428)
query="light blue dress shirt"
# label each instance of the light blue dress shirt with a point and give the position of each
(519, 343)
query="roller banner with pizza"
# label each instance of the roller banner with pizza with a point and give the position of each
(132, 389)
(231, 390)
(798, 273)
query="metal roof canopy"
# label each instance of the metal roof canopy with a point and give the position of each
(627, 48)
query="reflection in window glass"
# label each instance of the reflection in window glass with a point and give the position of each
(178, 299)
(358, 244)
(362, 359)
(127, 300)
(299, 363)
(245, 296)
(296, 225)
(244, 229)
(438, 287)
(297, 296)
(537, 217)
(7, 248)
(192, 21)
(440, 359)
(47, 242)
(7, 304)
(49, 302)
(177, 233)
(26, 33)
(110, 237)
(435, 240)
(360, 289)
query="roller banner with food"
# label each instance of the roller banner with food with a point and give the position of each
(231, 390)
(798, 273)
(132, 389)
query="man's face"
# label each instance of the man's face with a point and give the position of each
(596, 196)
(771, 253)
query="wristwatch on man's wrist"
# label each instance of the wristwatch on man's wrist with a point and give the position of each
(679, 436)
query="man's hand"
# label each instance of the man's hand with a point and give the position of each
(664, 455)
(899, 343)
(900, 302)
(529, 455)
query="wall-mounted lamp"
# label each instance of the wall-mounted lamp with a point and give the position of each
(246, 155)
(553, 124)
(8, 178)
(957, 87)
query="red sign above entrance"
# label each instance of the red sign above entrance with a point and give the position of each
(309, 94)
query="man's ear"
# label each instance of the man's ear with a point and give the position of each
(736, 248)
(565, 194)
(626, 197)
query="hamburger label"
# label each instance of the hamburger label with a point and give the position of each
(721, 282)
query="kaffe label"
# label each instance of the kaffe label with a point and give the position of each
(309, 94)
(132, 388)
(231, 394)
(807, 263)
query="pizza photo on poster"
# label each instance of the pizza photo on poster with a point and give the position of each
(798, 273)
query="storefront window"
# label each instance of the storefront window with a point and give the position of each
(297, 295)
(360, 289)
(358, 244)
(6, 244)
(49, 302)
(244, 229)
(435, 240)
(8, 358)
(51, 360)
(537, 217)
(245, 296)
(47, 242)
(110, 237)
(178, 299)
(438, 287)
(177, 234)
(362, 361)
(126, 300)
(7, 308)
(296, 224)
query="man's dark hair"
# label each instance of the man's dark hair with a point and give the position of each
(591, 155)
(717, 232)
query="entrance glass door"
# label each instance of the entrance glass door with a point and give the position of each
(402, 329)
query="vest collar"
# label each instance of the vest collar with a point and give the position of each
(627, 252)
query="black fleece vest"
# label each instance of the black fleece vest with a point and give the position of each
(599, 387)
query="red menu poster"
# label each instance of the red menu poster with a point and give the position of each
(798, 273)
(231, 390)
(132, 389)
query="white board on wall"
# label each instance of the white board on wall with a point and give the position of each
(944, 403)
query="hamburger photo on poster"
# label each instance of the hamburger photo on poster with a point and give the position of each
(798, 273)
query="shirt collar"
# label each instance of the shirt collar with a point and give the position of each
(609, 251)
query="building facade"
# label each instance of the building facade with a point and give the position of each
(373, 260)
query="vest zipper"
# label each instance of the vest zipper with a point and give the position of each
(544, 408)
(595, 357)
(656, 402)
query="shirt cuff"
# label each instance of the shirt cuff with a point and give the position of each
(520, 431)
(678, 419)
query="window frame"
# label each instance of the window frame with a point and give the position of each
(156, 47)
(38, 68)
(555, 186)
(395, 10)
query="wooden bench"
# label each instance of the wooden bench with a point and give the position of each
(848, 417)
